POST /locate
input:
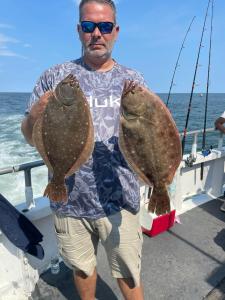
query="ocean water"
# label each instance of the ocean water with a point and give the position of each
(14, 149)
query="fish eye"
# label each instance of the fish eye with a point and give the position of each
(128, 116)
(65, 94)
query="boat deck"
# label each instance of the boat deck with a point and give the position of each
(185, 263)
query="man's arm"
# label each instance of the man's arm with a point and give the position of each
(219, 124)
(35, 112)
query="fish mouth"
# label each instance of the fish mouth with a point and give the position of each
(71, 80)
(66, 89)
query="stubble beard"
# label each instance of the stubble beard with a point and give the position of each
(102, 54)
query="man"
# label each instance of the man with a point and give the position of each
(219, 124)
(103, 196)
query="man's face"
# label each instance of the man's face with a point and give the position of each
(97, 45)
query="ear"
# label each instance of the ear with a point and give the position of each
(117, 29)
(78, 28)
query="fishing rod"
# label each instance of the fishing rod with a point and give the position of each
(206, 152)
(178, 58)
(193, 83)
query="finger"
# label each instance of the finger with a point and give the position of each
(45, 97)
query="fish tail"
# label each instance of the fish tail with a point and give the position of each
(56, 192)
(159, 202)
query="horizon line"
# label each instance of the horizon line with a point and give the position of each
(204, 93)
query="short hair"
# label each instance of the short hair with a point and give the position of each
(108, 2)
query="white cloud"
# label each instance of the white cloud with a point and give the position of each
(4, 51)
(27, 45)
(2, 25)
(6, 39)
(7, 52)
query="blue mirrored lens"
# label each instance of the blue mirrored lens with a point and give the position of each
(88, 27)
(105, 27)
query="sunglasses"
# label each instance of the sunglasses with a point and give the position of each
(104, 27)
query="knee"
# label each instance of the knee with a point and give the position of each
(129, 282)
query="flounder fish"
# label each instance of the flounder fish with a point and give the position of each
(149, 142)
(64, 135)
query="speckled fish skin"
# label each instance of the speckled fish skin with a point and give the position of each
(64, 135)
(150, 142)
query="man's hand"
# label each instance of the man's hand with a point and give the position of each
(39, 106)
(35, 112)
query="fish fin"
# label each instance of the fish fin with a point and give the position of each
(152, 204)
(38, 142)
(159, 202)
(56, 192)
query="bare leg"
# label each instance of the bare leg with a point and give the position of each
(86, 285)
(129, 291)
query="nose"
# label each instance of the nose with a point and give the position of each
(96, 32)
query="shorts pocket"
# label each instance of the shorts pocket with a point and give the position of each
(61, 225)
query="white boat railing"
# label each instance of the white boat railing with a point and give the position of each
(191, 158)
(26, 167)
(195, 134)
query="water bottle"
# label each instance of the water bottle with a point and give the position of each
(55, 268)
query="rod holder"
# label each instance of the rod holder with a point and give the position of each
(194, 146)
(28, 189)
(220, 141)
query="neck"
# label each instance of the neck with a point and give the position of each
(100, 64)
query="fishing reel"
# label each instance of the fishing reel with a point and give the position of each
(189, 161)
(206, 152)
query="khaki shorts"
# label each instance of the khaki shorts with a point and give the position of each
(120, 235)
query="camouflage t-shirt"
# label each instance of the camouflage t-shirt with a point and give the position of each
(105, 184)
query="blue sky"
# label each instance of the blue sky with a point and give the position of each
(35, 35)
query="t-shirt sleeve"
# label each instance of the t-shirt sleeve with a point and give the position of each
(139, 78)
(42, 85)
